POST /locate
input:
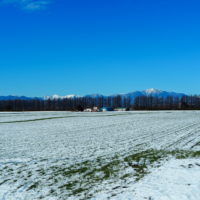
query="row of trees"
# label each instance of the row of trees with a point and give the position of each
(168, 103)
(79, 104)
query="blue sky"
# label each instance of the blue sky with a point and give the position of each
(99, 46)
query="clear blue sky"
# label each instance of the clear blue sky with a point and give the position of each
(99, 46)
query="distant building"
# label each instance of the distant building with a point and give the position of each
(106, 109)
(120, 109)
(95, 109)
(88, 110)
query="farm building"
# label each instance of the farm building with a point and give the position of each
(106, 109)
(88, 110)
(95, 109)
(120, 109)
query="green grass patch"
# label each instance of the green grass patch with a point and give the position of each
(78, 180)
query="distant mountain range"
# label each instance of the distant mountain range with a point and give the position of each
(153, 92)
(11, 97)
(132, 95)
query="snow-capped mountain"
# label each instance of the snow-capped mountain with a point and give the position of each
(132, 95)
(160, 93)
(155, 93)
(150, 92)
(55, 96)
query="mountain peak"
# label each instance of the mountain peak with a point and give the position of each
(55, 96)
(152, 91)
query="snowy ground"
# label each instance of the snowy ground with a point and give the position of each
(113, 155)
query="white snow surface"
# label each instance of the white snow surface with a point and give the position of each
(175, 180)
(113, 155)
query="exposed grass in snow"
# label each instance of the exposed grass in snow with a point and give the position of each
(113, 114)
(31, 120)
(81, 180)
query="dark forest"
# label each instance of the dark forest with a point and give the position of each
(79, 104)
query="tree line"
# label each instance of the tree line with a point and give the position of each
(81, 103)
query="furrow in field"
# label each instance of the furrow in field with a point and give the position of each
(78, 157)
(182, 137)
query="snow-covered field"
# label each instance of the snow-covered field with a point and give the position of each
(98, 156)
